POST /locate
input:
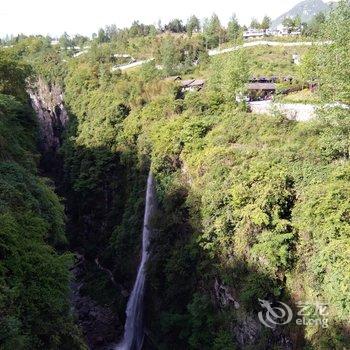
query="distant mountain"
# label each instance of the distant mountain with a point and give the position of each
(306, 10)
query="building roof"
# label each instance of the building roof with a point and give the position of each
(187, 82)
(193, 83)
(198, 82)
(272, 79)
(261, 86)
(122, 55)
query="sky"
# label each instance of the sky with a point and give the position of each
(86, 16)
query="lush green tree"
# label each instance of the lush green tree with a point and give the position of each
(193, 25)
(254, 24)
(175, 26)
(65, 41)
(314, 27)
(266, 23)
(297, 22)
(334, 129)
(332, 74)
(13, 75)
(170, 55)
(235, 75)
(135, 29)
(233, 29)
(34, 277)
(212, 31)
(112, 31)
(79, 40)
(102, 36)
(257, 204)
(229, 75)
(292, 23)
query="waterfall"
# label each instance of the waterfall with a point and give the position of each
(134, 330)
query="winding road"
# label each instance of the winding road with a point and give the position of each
(234, 48)
(267, 43)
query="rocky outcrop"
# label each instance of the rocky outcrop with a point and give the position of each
(224, 296)
(247, 331)
(99, 323)
(47, 102)
(109, 273)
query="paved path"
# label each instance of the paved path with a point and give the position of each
(131, 65)
(234, 48)
(293, 111)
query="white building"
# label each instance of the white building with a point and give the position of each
(254, 33)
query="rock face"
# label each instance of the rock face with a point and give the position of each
(99, 323)
(224, 296)
(47, 102)
(247, 331)
(306, 10)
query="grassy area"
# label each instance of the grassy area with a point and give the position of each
(276, 61)
(304, 96)
(264, 61)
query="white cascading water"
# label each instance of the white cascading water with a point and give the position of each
(134, 330)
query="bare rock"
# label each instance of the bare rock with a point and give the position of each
(47, 102)
(224, 296)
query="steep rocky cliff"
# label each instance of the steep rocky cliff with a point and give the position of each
(97, 320)
(47, 102)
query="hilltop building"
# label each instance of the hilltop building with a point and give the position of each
(279, 31)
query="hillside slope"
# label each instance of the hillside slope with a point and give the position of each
(306, 10)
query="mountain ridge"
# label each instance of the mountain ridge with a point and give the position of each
(306, 9)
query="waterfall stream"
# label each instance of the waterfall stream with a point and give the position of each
(134, 327)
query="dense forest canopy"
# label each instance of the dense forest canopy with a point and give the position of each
(257, 205)
(34, 307)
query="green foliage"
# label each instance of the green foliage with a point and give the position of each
(254, 24)
(34, 277)
(292, 23)
(213, 32)
(315, 26)
(201, 322)
(334, 130)
(248, 180)
(177, 55)
(193, 25)
(175, 26)
(229, 75)
(223, 341)
(233, 29)
(330, 63)
(170, 55)
(12, 75)
(266, 23)
(19, 189)
(322, 218)
(260, 203)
